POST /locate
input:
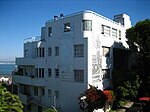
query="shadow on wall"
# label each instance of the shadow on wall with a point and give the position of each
(117, 60)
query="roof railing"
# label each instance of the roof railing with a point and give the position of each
(86, 11)
(32, 39)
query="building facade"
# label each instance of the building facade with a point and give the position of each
(72, 52)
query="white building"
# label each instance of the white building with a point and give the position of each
(72, 52)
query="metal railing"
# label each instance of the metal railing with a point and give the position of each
(32, 39)
(86, 11)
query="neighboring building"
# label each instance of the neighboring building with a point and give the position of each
(73, 51)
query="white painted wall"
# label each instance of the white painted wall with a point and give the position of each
(93, 41)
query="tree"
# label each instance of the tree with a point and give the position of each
(9, 102)
(139, 43)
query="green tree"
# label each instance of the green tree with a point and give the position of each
(9, 102)
(139, 43)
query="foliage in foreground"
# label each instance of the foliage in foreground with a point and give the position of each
(94, 98)
(139, 43)
(9, 102)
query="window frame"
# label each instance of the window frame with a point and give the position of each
(67, 27)
(49, 51)
(50, 31)
(106, 54)
(79, 50)
(57, 51)
(78, 75)
(36, 91)
(56, 73)
(49, 92)
(106, 73)
(49, 72)
(106, 30)
(87, 25)
(114, 32)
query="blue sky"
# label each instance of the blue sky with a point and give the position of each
(20, 19)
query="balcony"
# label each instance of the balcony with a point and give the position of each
(29, 80)
(30, 61)
(25, 61)
(25, 99)
(39, 100)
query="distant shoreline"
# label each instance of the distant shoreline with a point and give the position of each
(7, 62)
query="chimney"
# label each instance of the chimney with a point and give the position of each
(55, 17)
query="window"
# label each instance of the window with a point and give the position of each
(94, 59)
(56, 51)
(106, 30)
(79, 50)
(36, 72)
(49, 31)
(39, 52)
(114, 33)
(106, 51)
(79, 75)
(36, 52)
(15, 89)
(42, 69)
(57, 94)
(49, 51)
(87, 25)
(56, 73)
(26, 53)
(49, 72)
(119, 34)
(49, 93)
(29, 107)
(39, 72)
(106, 73)
(43, 91)
(35, 91)
(67, 27)
(40, 109)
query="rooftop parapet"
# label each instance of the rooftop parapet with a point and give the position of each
(81, 12)
(32, 39)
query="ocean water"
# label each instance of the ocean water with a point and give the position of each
(6, 69)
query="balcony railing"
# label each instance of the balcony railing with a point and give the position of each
(29, 80)
(25, 61)
(30, 61)
(32, 39)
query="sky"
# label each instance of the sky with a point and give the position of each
(21, 19)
